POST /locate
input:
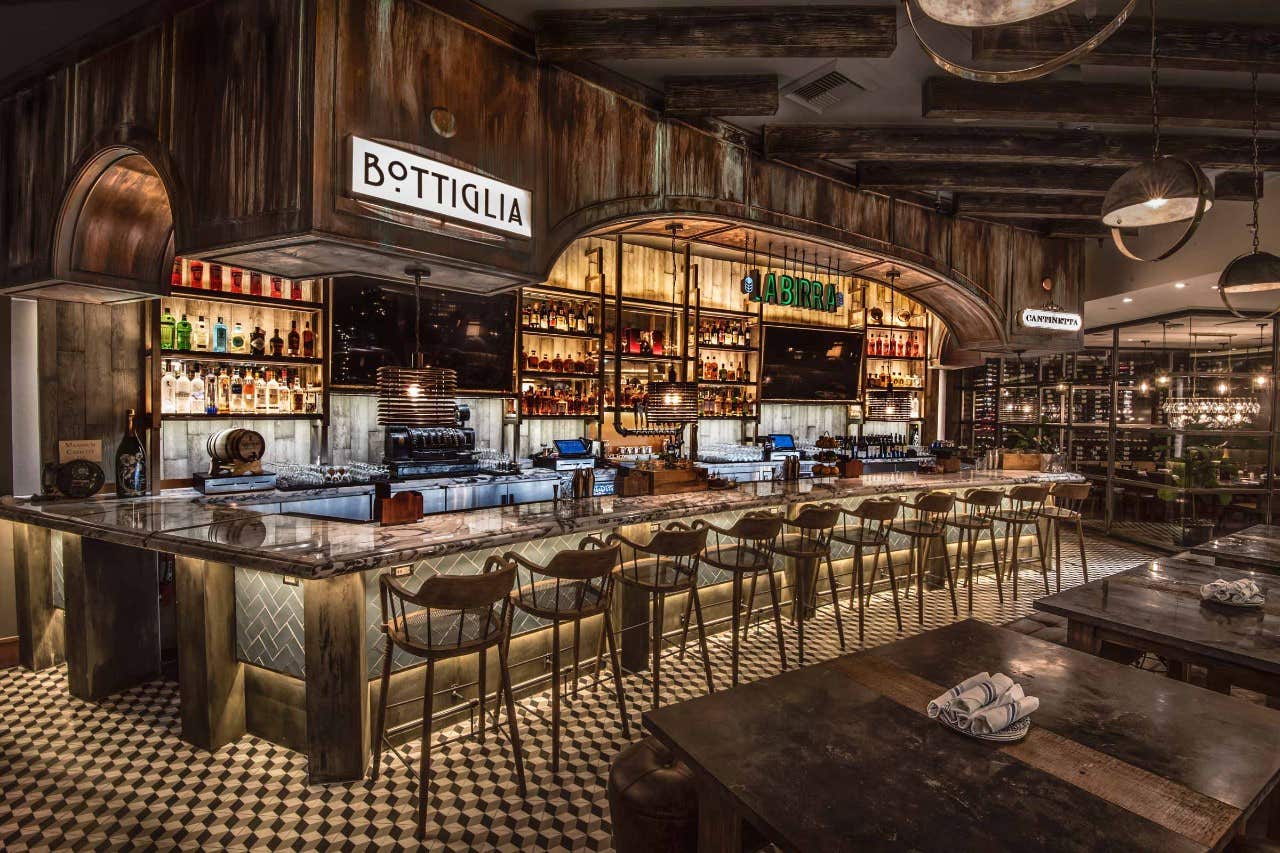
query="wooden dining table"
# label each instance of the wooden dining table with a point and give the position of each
(841, 756)
(1256, 548)
(1156, 608)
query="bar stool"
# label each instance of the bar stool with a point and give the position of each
(871, 530)
(746, 548)
(982, 505)
(1024, 510)
(458, 615)
(929, 526)
(667, 563)
(573, 586)
(1068, 505)
(808, 542)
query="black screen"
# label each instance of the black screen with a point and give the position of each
(373, 326)
(811, 364)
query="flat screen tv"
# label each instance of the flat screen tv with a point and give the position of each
(472, 334)
(811, 364)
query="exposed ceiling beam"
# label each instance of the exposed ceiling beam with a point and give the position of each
(1027, 206)
(1096, 103)
(1006, 145)
(1235, 186)
(1200, 45)
(987, 177)
(721, 95)
(720, 31)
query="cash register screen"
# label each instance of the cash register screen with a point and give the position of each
(782, 442)
(569, 448)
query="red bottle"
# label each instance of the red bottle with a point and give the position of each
(255, 284)
(175, 277)
(237, 281)
(215, 277)
(276, 288)
(295, 290)
(197, 274)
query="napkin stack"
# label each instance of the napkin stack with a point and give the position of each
(1243, 591)
(983, 704)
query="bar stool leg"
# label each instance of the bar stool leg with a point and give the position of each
(995, 557)
(424, 760)
(555, 696)
(1041, 541)
(381, 726)
(577, 652)
(607, 628)
(797, 603)
(1057, 552)
(1012, 556)
(702, 636)
(946, 567)
(1084, 562)
(512, 724)
(971, 544)
(855, 584)
(599, 655)
(657, 644)
(893, 580)
(857, 566)
(777, 616)
(751, 604)
(835, 600)
(737, 608)
(919, 557)
(481, 672)
(684, 624)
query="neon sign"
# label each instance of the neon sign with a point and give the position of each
(792, 291)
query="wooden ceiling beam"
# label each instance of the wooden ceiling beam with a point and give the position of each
(721, 95)
(1065, 228)
(1198, 45)
(716, 32)
(987, 177)
(995, 206)
(1013, 145)
(1096, 103)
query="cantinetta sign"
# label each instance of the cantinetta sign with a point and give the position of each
(382, 172)
(792, 291)
(1047, 318)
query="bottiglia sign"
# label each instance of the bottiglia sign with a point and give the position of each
(382, 172)
(792, 291)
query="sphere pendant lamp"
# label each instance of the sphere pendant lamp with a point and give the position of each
(1255, 271)
(998, 13)
(1163, 190)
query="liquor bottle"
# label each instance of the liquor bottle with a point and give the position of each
(308, 341)
(591, 319)
(215, 277)
(222, 402)
(238, 341)
(219, 336)
(200, 334)
(277, 344)
(182, 334)
(175, 276)
(260, 394)
(545, 363)
(299, 395)
(196, 405)
(258, 341)
(295, 340)
(723, 375)
(276, 287)
(249, 401)
(273, 392)
(181, 392)
(236, 402)
(166, 329)
(255, 284)
(197, 275)
(557, 364)
(131, 462)
(210, 392)
(284, 400)
(295, 290)
(168, 391)
(237, 280)
(746, 339)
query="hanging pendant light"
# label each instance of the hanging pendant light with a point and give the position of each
(1260, 378)
(1255, 271)
(1162, 375)
(1222, 412)
(1144, 386)
(1164, 190)
(997, 13)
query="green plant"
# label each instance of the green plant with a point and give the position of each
(1030, 439)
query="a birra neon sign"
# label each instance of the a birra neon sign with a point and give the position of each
(792, 291)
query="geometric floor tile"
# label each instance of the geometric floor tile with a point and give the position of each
(115, 775)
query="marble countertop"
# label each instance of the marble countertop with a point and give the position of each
(225, 529)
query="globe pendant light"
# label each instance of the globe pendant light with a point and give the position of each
(997, 13)
(1164, 190)
(1256, 271)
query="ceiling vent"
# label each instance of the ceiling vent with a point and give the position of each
(822, 89)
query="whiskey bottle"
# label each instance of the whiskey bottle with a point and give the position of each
(219, 336)
(299, 395)
(258, 341)
(131, 462)
(167, 324)
(308, 341)
(295, 340)
(182, 334)
(277, 344)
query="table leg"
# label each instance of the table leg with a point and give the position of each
(40, 624)
(1217, 681)
(719, 825)
(634, 636)
(1083, 637)
(337, 678)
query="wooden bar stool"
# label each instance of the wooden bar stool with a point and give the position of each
(929, 526)
(872, 519)
(808, 542)
(573, 586)
(667, 563)
(457, 615)
(746, 548)
(981, 505)
(1068, 506)
(1024, 510)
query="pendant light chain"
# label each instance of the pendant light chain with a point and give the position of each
(1257, 172)
(1155, 85)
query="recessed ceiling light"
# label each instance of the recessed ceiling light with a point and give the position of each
(1127, 299)
(1179, 284)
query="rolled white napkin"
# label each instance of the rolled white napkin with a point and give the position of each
(983, 703)
(1243, 591)
(939, 704)
(1002, 714)
(964, 716)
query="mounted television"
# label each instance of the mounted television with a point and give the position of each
(811, 364)
(472, 334)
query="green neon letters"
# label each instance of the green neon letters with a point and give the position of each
(797, 293)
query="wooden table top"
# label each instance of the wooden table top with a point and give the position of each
(1257, 546)
(841, 756)
(1160, 601)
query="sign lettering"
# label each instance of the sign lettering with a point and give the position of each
(792, 292)
(1045, 318)
(389, 174)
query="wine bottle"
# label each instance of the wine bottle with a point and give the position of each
(295, 340)
(131, 462)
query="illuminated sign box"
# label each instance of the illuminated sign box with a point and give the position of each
(792, 292)
(1046, 318)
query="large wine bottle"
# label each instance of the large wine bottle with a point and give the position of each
(131, 462)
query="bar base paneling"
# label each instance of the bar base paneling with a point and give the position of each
(40, 630)
(275, 707)
(337, 689)
(210, 677)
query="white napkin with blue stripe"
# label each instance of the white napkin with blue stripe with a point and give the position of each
(1243, 591)
(983, 704)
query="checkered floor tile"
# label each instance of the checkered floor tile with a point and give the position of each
(117, 776)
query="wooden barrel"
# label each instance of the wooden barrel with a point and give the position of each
(236, 446)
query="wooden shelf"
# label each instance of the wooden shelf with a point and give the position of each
(551, 374)
(236, 358)
(896, 358)
(727, 347)
(895, 390)
(248, 416)
(559, 417)
(554, 333)
(207, 295)
(638, 357)
(731, 383)
(896, 328)
(726, 418)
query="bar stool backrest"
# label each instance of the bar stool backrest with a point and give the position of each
(1028, 497)
(934, 507)
(1070, 496)
(757, 527)
(455, 612)
(873, 516)
(812, 528)
(564, 585)
(583, 564)
(677, 545)
(983, 503)
(749, 542)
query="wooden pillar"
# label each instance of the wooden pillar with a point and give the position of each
(210, 678)
(112, 618)
(337, 678)
(40, 635)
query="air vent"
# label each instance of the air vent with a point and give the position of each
(822, 89)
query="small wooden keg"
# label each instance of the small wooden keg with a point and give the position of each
(238, 450)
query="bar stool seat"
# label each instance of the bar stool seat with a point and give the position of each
(916, 527)
(1060, 512)
(858, 537)
(1016, 516)
(971, 522)
(928, 527)
(463, 633)
(736, 558)
(549, 599)
(659, 574)
(872, 519)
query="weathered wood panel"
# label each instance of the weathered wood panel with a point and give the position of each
(699, 165)
(721, 95)
(35, 149)
(1033, 258)
(122, 85)
(922, 231)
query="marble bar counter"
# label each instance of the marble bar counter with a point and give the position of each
(276, 615)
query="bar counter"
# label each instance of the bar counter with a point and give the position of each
(277, 616)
